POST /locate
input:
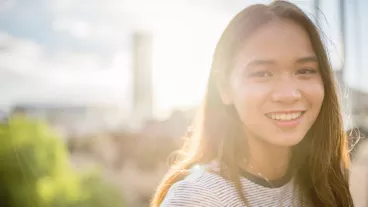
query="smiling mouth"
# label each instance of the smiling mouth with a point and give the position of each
(285, 116)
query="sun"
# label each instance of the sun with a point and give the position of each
(180, 70)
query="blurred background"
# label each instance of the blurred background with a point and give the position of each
(95, 95)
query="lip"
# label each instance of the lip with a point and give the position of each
(287, 123)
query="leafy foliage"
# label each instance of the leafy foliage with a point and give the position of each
(35, 170)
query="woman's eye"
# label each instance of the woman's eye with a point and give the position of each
(307, 71)
(261, 74)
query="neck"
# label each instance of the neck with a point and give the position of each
(269, 160)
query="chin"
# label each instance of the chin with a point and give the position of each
(285, 141)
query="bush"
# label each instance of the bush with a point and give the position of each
(35, 169)
(100, 193)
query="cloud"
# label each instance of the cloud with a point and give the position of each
(29, 73)
(18, 54)
(6, 5)
(91, 20)
(114, 20)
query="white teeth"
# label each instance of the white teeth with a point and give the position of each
(285, 116)
(288, 117)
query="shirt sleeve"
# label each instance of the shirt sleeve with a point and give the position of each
(190, 194)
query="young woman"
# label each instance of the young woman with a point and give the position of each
(270, 131)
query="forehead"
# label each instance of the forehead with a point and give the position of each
(278, 39)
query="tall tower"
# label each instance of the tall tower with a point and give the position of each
(142, 77)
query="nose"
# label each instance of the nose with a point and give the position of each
(286, 92)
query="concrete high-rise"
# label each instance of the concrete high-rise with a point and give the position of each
(142, 77)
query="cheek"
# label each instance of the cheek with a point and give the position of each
(314, 92)
(248, 98)
(248, 91)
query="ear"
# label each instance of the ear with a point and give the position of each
(224, 92)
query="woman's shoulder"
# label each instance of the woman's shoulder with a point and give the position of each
(187, 194)
(197, 189)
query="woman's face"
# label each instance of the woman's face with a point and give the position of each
(275, 84)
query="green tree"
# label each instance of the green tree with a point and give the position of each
(35, 169)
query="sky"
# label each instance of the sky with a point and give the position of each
(65, 51)
(80, 51)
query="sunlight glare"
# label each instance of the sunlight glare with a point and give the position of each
(179, 72)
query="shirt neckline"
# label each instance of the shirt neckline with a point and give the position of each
(277, 183)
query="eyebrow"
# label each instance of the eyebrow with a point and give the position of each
(253, 63)
(306, 59)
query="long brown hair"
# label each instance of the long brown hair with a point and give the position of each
(320, 162)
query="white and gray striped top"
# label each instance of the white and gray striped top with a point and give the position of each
(202, 188)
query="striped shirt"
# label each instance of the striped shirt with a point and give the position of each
(202, 188)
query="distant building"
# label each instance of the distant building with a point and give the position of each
(355, 73)
(142, 78)
(74, 120)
